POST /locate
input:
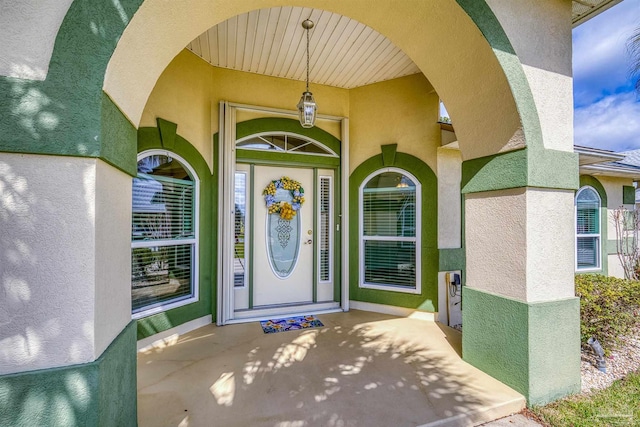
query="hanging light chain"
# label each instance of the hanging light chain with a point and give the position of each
(307, 60)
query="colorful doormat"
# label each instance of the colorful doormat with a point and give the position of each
(290, 324)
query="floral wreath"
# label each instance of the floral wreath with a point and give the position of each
(285, 209)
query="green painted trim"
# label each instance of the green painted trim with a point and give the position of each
(533, 348)
(64, 114)
(497, 172)
(99, 393)
(268, 157)
(251, 236)
(428, 299)
(553, 169)
(276, 124)
(521, 168)
(389, 154)
(451, 259)
(604, 218)
(168, 131)
(628, 195)
(484, 18)
(149, 138)
(118, 138)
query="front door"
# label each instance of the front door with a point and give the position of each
(283, 241)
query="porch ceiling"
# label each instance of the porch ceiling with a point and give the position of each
(344, 53)
(583, 10)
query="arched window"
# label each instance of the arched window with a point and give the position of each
(587, 229)
(390, 201)
(164, 230)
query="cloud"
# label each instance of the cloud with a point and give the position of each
(600, 61)
(612, 123)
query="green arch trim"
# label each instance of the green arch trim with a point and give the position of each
(604, 216)
(277, 124)
(149, 138)
(488, 24)
(428, 299)
(68, 113)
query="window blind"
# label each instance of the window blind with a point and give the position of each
(389, 230)
(160, 274)
(163, 237)
(587, 228)
(325, 228)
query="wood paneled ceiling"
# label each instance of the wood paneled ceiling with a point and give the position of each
(343, 53)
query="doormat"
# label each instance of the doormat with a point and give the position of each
(290, 324)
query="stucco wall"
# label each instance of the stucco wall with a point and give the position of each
(613, 188)
(50, 220)
(449, 198)
(189, 92)
(520, 243)
(549, 75)
(402, 111)
(112, 254)
(28, 29)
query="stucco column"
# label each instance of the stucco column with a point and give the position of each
(66, 340)
(521, 318)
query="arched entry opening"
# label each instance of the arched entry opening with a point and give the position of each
(98, 92)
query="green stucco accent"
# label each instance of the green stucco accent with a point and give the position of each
(389, 154)
(67, 114)
(605, 246)
(532, 347)
(119, 138)
(168, 131)
(628, 195)
(526, 167)
(100, 393)
(149, 138)
(291, 159)
(451, 259)
(427, 300)
(486, 21)
(275, 124)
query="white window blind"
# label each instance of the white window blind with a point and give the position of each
(239, 248)
(587, 229)
(325, 229)
(163, 233)
(390, 231)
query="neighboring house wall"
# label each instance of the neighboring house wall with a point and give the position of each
(613, 189)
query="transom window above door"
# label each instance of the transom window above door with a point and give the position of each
(284, 143)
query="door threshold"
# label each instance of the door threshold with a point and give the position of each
(298, 310)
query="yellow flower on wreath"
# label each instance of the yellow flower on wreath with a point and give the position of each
(286, 210)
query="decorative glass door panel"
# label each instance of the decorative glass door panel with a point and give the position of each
(283, 250)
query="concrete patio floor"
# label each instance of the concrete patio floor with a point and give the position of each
(360, 369)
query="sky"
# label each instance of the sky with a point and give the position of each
(606, 106)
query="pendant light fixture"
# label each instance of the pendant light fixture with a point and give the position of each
(307, 106)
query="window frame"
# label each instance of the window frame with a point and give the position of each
(163, 306)
(417, 239)
(597, 236)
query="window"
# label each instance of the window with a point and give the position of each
(284, 143)
(587, 229)
(390, 231)
(164, 225)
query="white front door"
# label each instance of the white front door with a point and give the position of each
(283, 249)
